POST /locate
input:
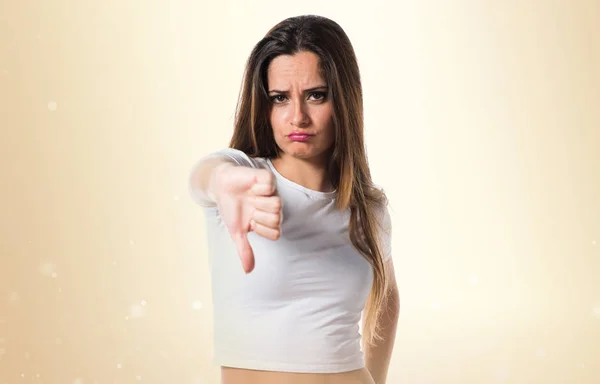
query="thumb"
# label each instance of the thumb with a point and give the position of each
(244, 250)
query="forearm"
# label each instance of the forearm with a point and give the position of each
(205, 178)
(378, 356)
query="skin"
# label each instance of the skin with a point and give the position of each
(378, 356)
(298, 94)
(247, 200)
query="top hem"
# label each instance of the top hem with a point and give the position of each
(274, 366)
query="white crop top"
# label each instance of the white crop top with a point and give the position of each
(299, 310)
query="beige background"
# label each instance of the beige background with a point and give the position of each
(483, 124)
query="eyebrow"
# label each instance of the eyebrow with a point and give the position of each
(320, 87)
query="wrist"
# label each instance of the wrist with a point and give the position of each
(215, 179)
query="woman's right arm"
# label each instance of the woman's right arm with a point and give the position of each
(205, 176)
(244, 195)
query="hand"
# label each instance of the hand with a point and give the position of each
(247, 201)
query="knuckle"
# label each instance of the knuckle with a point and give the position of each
(269, 176)
(274, 221)
(270, 181)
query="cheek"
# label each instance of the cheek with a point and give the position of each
(326, 119)
(276, 118)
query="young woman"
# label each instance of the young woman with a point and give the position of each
(292, 198)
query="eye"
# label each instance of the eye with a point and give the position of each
(278, 99)
(318, 96)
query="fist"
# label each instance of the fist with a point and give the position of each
(247, 201)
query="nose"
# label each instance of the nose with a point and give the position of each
(299, 116)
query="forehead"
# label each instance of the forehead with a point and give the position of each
(301, 69)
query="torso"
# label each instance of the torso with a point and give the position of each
(295, 318)
(245, 376)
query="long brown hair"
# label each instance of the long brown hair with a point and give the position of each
(348, 168)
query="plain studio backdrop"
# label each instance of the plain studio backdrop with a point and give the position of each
(482, 124)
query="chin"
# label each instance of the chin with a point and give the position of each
(300, 155)
(303, 151)
(304, 154)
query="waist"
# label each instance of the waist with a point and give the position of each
(247, 376)
(283, 341)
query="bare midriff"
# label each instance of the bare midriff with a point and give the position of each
(245, 376)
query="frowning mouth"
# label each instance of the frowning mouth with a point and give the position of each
(299, 136)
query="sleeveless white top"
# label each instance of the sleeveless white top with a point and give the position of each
(299, 310)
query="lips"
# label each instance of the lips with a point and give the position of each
(299, 136)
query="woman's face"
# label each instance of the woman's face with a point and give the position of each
(301, 114)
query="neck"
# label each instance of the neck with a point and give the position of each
(309, 173)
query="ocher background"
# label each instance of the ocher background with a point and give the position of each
(482, 123)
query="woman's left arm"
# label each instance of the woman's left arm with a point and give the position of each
(378, 356)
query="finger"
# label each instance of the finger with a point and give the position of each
(271, 204)
(267, 219)
(262, 189)
(266, 232)
(265, 183)
(244, 251)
